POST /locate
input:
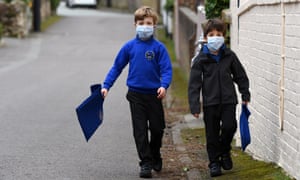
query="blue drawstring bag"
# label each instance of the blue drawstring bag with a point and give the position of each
(244, 127)
(90, 112)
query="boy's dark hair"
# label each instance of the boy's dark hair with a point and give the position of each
(143, 12)
(214, 24)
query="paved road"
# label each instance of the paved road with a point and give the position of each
(43, 78)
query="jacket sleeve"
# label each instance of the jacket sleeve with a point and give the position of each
(240, 78)
(194, 87)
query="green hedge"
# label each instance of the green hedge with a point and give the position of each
(54, 4)
(169, 6)
(213, 8)
(1, 30)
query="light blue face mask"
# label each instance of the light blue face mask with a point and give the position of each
(215, 42)
(144, 32)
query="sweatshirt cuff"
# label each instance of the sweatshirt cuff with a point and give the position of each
(166, 86)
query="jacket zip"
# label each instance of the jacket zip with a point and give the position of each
(219, 81)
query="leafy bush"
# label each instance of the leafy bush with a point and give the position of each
(7, 1)
(1, 30)
(26, 1)
(54, 4)
(169, 6)
(213, 8)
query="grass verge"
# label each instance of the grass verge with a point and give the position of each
(49, 21)
(179, 80)
(245, 167)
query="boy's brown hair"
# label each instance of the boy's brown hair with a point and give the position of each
(214, 24)
(143, 12)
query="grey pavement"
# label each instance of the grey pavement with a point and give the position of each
(44, 77)
(188, 121)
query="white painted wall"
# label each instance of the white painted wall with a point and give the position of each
(261, 36)
(167, 18)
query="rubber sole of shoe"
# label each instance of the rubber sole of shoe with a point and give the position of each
(146, 176)
(227, 166)
(215, 175)
(157, 168)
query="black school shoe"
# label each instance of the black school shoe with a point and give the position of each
(215, 169)
(226, 161)
(146, 171)
(157, 165)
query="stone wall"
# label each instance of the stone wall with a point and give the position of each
(16, 18)
(19, 17)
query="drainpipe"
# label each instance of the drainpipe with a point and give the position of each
(283, 57)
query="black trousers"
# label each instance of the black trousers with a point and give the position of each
(220, 127)
(147, 116)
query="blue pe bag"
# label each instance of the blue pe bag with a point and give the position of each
(244, 127)
(90, 112)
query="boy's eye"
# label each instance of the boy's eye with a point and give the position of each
(215, 33)
(146, 21)
(211, 35)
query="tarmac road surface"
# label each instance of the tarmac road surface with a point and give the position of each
(43, 79)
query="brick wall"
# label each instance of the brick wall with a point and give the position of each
(261, 36)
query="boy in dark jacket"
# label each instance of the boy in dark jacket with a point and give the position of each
(150, 74)
(215, 71)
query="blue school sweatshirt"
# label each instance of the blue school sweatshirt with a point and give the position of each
(149, 66)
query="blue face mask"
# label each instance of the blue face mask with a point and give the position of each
(215, 42)
(144, 32)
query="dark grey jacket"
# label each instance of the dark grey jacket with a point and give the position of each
(216, 80)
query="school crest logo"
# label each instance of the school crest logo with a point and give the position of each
(149, 55)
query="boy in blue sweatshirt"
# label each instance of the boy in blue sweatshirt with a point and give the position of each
(215, 71)
(150, 74)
